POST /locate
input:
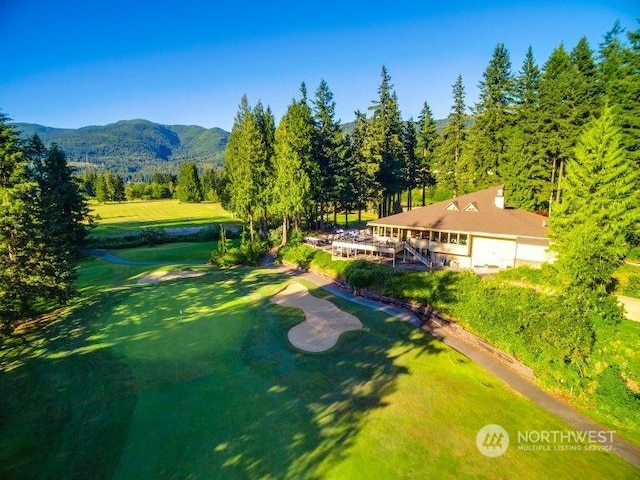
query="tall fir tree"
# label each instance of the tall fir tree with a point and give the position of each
(450, 170)
(364, 167)
(294, 166)
(264, 162)
(558, 114)
(189, 189)
(66, 212)
(32, 269)
(384, 145)
(328, 152)
(244, 166)
(599, 206)
(428, 139)
(587, 85)
(411, 164)
(485, 150)
(525, 173)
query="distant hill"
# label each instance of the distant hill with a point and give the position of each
(350, 127)
(134, 147)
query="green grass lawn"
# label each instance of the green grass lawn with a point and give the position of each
(195, 378)
(170, 252)
(128, 217)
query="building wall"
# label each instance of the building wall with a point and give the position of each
(532, 254)
(493, 252)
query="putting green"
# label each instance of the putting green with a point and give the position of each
(195, 378)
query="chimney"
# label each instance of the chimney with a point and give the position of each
(499, 200)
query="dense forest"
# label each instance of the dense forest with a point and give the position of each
(522, 132)
(134, 149)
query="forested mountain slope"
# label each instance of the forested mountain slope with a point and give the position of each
(134, 146)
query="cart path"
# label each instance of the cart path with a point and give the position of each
(621, 447)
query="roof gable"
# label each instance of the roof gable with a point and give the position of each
(480, 215)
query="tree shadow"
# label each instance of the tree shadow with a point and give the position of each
(125, 385)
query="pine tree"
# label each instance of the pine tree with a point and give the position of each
(65, 209)
(32, 268)
(263, 168)
(411, 166)
(384, 145)
(364, 167)
(485, 150)
(587, 84)
(189, 189)
(294, 165)
(244, 166)
(450, 170)
(525, 172)
(427, 142)
(599, 206)
(328, 152)
(558, 115)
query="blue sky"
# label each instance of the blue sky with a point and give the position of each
(76, 63)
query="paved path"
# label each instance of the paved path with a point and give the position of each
(623, 448)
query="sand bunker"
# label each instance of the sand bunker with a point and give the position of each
(156, 277)
(324, 321)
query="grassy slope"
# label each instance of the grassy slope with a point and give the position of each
(128, 217)
(195, 379)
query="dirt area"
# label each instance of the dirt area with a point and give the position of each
(324, 322)
(156, 277)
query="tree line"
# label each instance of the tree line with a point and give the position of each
(44, 219)
(522, 132)
(187, 186)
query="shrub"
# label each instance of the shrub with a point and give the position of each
(614, 397)
(360, 278)
(633, 287)
(153, 236)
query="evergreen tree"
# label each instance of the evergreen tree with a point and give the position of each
(599, 206)
(65, 210)
(31, 268)
(115, 187)
(411, 166)
(294, 165)
(211, 183)
(525, 174)
(188, 189)
(102, 187)
(485, 151)
(623, 87)
(364, 168)
(450, 171)
(587, 84)
(328, 152)
(246, 165)
(384, 145)
(558, 114)
(264, 161)
(428, 137)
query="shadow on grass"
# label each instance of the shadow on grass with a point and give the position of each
(193, 379)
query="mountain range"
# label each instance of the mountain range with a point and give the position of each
(134, 147)
(138, 148)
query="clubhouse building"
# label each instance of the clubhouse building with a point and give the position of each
(469, 231)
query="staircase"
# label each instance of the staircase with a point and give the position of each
(417, 255)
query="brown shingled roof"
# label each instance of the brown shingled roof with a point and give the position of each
(488, 218)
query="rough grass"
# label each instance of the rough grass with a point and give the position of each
(129, 217)
(196, 379)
